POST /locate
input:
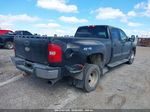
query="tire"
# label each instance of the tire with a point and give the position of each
(91, 77)
(131, 58)
(9, 45)
(1, 46)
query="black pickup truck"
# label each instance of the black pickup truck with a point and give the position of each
(84, 58)
(6, 40)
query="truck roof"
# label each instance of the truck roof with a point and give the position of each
(21, 31)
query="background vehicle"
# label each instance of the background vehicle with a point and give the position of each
(7, 38)
(5, 32)
(85, 57)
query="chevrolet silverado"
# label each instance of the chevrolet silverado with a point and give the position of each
(85, 57)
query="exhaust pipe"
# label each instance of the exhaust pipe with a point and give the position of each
(52, 82)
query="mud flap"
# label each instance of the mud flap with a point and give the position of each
(76, 71)
(78, 76)
(76, 82)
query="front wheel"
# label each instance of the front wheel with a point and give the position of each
(91, 78)
(131, 58)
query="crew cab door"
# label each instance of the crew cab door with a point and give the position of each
(116, 45)
(126, 45)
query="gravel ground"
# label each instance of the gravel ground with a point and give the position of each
(124, 87)
(7, 70)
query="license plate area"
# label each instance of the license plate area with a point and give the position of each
(29, 65)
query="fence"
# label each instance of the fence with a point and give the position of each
(144, 42)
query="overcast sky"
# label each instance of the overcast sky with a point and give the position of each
(62, 17)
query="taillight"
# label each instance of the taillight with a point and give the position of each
(54, 53)
(92, 26)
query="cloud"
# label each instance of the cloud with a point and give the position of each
(49, 25)
(72, 20)
(58, 5)
(16, 18)
(7, 21)
(144, 6)
(132, 13)
(60, 31)
(109, 13)
(140, 5)
(146, 13)
(140, 33)
(6, 25)
(134, 24)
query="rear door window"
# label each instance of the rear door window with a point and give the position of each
(93, 31)
(26, 33)
(115, 34)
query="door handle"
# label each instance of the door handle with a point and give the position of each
(115, 44)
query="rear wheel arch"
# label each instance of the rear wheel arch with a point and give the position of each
(93, 65)
(96, 58)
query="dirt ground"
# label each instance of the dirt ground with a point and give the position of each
(124, 87)
(7, 70)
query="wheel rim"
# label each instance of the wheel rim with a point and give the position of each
(93, 78)
(132, 57)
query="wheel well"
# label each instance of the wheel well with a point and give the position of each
(95, 58)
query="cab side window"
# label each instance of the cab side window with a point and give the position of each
(115, 34)
(26, 33)
(123, 36)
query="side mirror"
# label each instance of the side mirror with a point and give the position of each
(132, 39)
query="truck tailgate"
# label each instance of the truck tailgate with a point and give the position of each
(34, 49)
